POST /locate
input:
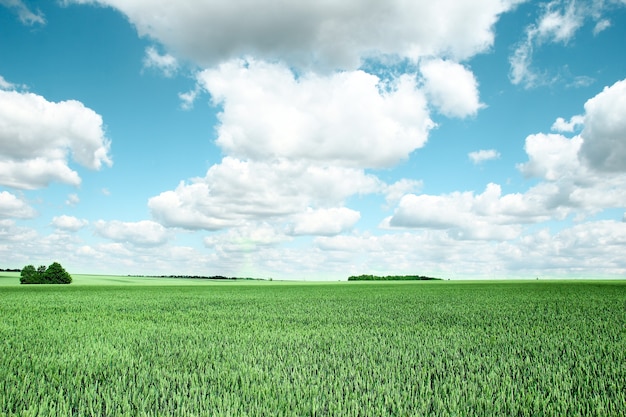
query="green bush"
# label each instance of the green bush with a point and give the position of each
(28, 275)
(54, 274)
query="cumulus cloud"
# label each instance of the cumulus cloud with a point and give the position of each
(594, 247)
(309, 34)
(14, 241)
(165, 63)
(478, 157)
(26, 15)
(236, 191)
(451, 87)
(144, 233)
(486, 216)
(12, 207)
(587, 249)
(37, 137)
(69, 223)
(324, 222)
(604, 134)
(562, 125)
(567, 188)
(349, 118)
(551, 157)
(395, 191)
(584, 174)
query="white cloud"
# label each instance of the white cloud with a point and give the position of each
(584, 174)
(451, 87)
(26, 16)
(561, 125)
(395, 191)
(558, 23)
(335, 35)
(12, 239)
(604, 134)
(569, 186)
(143, 233)
(36, 137)
(72, 200)
(12, 207)
(601, 26)
(247, 238)
(5, 85)
(592, 249)
(487, 216)
(478, 157)
(165, 63)
(551, 157)
(520, 62)
(324, 222)
(237, 191)
(347, 118)
(188, 98)
(69, 223)
(36, 173)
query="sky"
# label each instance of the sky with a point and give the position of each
(314, 140)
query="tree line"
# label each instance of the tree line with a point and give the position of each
(54, 274)
(392, 278)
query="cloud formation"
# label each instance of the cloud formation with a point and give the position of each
(300, 139)
(12, 207)
(37, 136)
(69, 223)
(604, 134)
(237, 191)
(348, 118)
(324, 222)
(313, 34)
(143, 233)
(478, 157)
(165, 63)
(558, 22)
(26, 15)
(486, 216)
(451, 88)
(562, 125)
(580, 176)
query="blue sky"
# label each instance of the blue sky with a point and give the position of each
(314, 140)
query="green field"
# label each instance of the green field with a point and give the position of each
(133, 347)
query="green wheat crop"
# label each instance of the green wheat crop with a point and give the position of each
(341, 349)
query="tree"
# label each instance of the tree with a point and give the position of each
(54, 274)
(28, 275)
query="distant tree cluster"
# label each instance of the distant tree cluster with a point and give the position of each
(392, 278)
(9, 270)
(196, 277)
(213, 277)
(54, 274)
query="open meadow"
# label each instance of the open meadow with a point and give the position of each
(113, 346)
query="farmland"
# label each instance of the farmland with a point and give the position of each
(135, 347)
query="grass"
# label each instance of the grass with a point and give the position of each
(13, 279)
(104, 347)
